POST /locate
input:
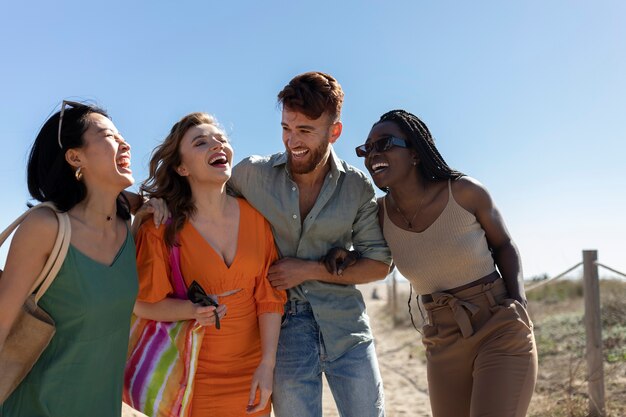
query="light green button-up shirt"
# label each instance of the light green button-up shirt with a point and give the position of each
(344, 215)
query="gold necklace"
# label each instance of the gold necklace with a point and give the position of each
(409, 223)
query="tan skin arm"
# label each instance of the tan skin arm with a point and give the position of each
(30, 248)
(170, 309)
(142, 210)
(290, 272)
(473, 197)
(135, 201)
(263, 378)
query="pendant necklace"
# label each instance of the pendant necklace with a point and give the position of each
(409, 223)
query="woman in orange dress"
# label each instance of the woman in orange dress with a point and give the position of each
(227, 247)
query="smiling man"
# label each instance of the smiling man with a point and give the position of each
(314, 202)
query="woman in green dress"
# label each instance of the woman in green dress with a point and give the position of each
(80, 162)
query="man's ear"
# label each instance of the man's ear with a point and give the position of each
(74, 157)
(335, 131)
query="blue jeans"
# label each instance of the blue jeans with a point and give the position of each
(353, 378)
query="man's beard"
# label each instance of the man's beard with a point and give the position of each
(314, 159)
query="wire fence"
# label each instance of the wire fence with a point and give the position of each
(588, 345)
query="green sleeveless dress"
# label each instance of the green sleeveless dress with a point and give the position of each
(81, 372)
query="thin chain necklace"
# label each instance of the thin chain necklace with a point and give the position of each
(409, 223)
(109, 217)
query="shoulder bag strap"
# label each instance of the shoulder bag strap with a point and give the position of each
(59, 250)
(57, 256)
(176, 276)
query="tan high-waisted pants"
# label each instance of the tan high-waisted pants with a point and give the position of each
(481, 354)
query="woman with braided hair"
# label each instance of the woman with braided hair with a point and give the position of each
(449, 240)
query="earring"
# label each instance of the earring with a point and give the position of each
(78, 173)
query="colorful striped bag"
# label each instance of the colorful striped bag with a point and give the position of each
(162, 359)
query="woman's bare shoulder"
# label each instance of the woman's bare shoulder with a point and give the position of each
(35, 236)
(470, 193)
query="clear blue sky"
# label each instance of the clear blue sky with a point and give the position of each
(529, 97)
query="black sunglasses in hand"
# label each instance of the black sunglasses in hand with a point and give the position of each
(197, 295)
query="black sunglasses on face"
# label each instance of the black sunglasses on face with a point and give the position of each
(381, 145)
(197, 295)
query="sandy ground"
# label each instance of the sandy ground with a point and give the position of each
(401, 360)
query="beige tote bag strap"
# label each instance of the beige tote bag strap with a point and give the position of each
(56, 258)
(59, 250)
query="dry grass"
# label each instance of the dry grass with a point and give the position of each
(557, 311)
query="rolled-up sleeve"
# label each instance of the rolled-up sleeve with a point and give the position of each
(367, 238)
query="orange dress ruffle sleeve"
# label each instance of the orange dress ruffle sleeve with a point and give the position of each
(152, 264)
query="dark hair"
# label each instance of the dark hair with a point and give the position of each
(50, 177)
(432, 166)
(312, 94)
(165, 182)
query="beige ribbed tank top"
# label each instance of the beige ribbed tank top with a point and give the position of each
(451, 252)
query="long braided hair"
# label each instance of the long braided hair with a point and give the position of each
(432, 166)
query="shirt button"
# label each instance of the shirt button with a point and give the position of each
(331, 175)
(295, 217)
(293, 188)
(306, 291)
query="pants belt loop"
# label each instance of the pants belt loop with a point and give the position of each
(461, 310)
(489, 294)
(293, 309)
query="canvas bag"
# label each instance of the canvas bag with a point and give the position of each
(33, 329)
(163, 358)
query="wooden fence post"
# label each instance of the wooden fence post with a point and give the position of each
(394, 299)
(593, 328)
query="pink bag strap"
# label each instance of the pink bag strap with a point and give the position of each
(176, 276)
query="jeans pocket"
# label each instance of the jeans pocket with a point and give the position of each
(284, 320)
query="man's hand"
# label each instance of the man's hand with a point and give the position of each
(155, 207)
(290, 272)
(338, 259)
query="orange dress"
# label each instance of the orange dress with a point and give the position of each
(229, 356)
